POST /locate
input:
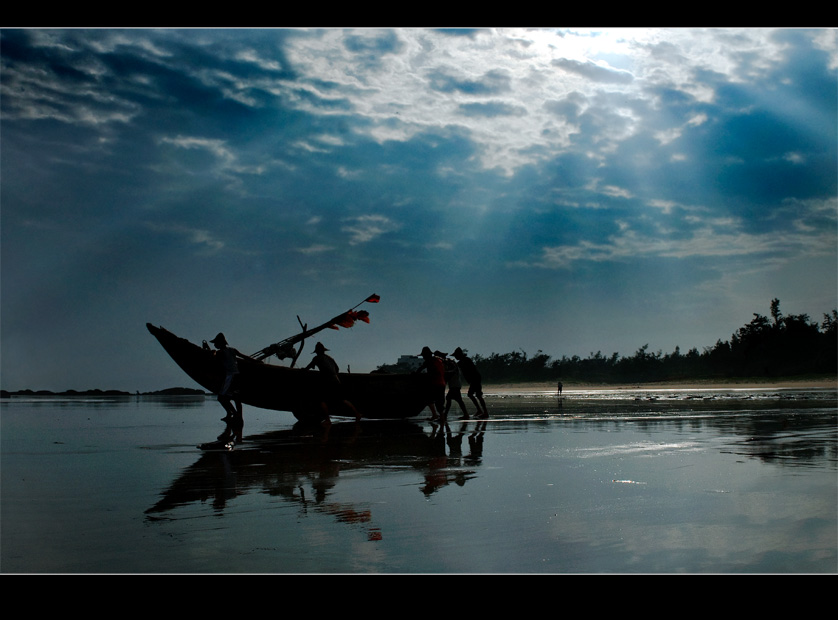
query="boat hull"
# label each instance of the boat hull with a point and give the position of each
(280, 388)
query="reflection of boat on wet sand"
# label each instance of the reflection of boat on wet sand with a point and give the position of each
(284, 388)
(303, 464)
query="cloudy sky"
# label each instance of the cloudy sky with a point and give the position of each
(570, 190)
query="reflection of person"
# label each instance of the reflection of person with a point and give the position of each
(452, 378)
(229, 388)
(333, 397)
(436, 372)
(475, 382)
(475, 442)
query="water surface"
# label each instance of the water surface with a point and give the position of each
(698, 481)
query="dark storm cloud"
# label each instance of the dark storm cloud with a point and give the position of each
(372, 46)
(569, 107)
(491, 83)
(492, 108)
(594, 72)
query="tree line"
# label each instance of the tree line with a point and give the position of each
(769, 347)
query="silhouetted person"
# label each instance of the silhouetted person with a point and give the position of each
(229, 392)
(436, 372)
(475, 382)
(232, 432)
(452, 378)
(560, 388)
(333, 398)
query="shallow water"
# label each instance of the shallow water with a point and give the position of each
(623, 481)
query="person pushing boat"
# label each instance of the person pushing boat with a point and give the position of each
(452, 378)
(436, 372)
(475, 382)
(228, 395)
(333, 396)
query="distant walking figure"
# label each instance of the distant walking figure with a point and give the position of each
(229, 392)
(436, 372)
(475, 382)
(333, 397)
(560, 388)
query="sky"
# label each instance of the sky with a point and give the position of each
(570, 191)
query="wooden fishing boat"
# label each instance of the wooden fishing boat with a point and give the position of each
(286, 388)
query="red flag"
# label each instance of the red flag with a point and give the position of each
(363, 315)
(347, 319)
(373, 299)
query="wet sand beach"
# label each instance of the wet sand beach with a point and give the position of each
(608, 479)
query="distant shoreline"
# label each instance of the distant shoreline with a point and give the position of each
(522, 386)
(681, 384)
(103, 393)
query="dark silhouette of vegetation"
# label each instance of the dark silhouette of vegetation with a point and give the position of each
(779, 346)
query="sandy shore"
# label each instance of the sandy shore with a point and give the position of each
(708, 384)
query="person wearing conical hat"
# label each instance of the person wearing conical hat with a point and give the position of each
(332, 397)
(475, 382)
(229, 393)
(436, 373)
